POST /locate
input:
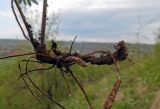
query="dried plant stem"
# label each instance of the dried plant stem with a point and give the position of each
(81, 87)
(65, 60)
(69, 89)
(13, 10)
(110, 99)
(116, 65)
(72, 45)
(40, 90)
(40, 69)
(25, 82)
(18, 55)
(28, 27)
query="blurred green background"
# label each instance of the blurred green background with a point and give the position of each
(139, 89)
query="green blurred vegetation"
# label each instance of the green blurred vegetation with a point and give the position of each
(140, 83)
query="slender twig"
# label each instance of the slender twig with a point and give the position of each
(25, 82)
(82, 48)
(25, 54)
(81, 87)
(23, 74)
(41, 69)
(116, 64)
(72, 45)
(41, 89)
(44, 18)
(112, 95)
(18, 55)
(69, 89)
(44, 93)
(28, 27)
(12, 6)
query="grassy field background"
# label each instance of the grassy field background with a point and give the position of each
(139, 89)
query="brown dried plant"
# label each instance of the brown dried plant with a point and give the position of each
(63, 61)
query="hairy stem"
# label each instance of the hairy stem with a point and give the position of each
(14, 12)
(28, 27)
(44, 18)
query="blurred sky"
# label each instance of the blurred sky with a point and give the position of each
(95, 20)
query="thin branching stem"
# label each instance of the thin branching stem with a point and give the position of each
(82, 89)
(69, 89)
(25, 82)
(28, 26)
(116, 64)
(44, 93)
(72, 45)
(18, 55)
(41, 69)
(14, 12)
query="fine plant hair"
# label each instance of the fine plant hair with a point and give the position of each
(63, 60)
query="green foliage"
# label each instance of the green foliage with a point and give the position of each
(140, 82)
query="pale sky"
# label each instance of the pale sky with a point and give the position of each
(95, 20)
